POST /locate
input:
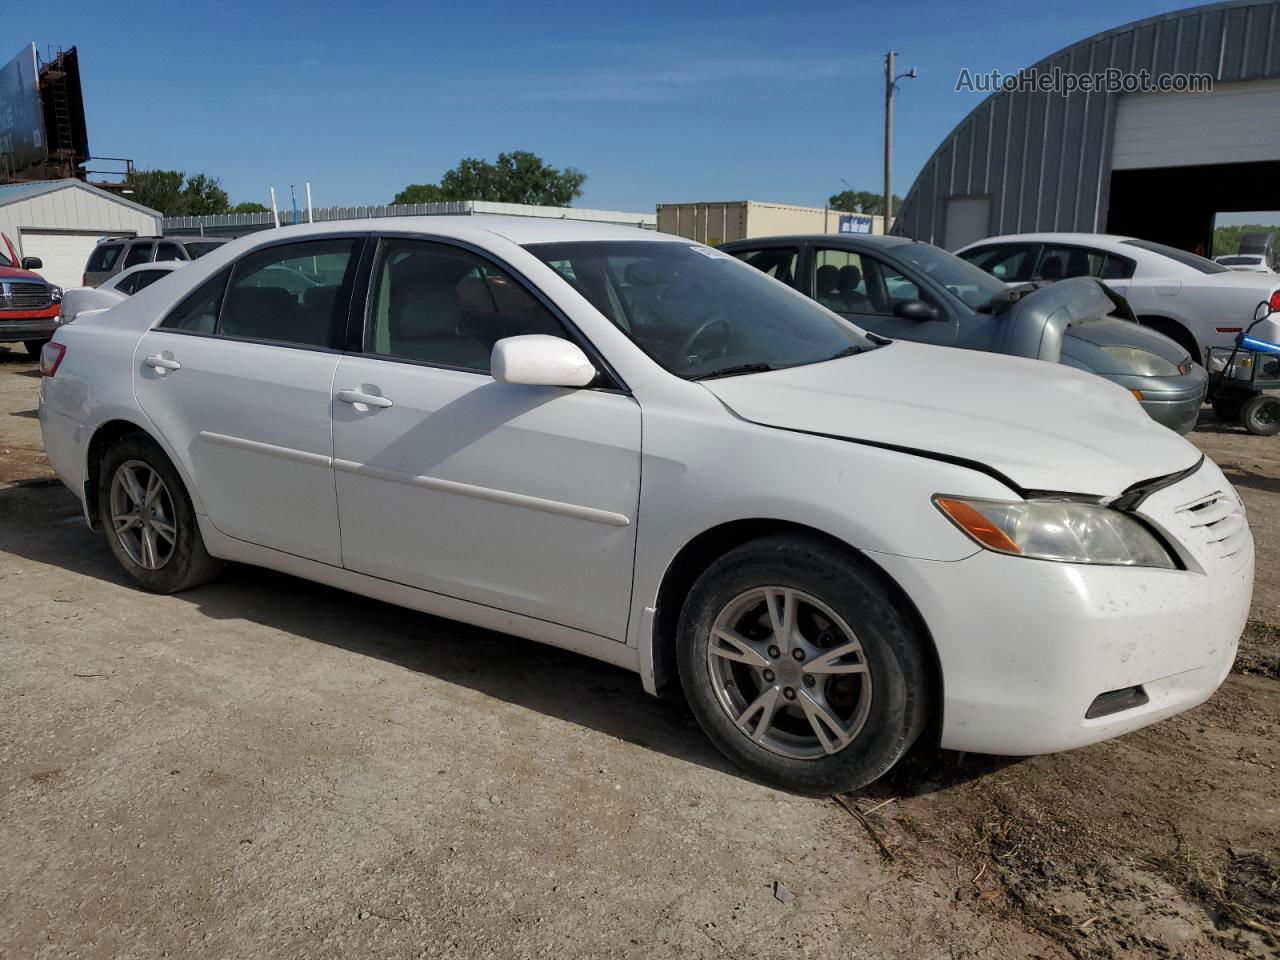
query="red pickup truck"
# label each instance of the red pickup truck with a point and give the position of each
(29, 305)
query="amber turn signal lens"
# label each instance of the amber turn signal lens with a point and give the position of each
(1137, 395)
(968, 519)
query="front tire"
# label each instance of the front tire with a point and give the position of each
(1261, 415)
(149, 520)
(799, 668)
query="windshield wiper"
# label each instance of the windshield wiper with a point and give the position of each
(850, 351)
(735, 370)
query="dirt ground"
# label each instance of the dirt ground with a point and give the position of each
(267, 768)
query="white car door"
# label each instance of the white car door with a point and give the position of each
(238, 379)
(518, 497)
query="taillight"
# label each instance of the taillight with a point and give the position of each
(84, 279)
(51, 355)
(1275, 300)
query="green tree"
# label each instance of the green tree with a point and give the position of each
(203, 195)
(861, 201)
(249, 206)
(517, 177)
(1226, 240)
(160, 190)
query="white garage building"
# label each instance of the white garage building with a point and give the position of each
(60, 221)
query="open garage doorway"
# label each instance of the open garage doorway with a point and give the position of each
(1178, 205)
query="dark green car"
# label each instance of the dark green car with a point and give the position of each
(908, 290)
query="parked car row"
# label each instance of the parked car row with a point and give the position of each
(644, 450)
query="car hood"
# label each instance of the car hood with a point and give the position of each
(1042, 425)
(13, 273)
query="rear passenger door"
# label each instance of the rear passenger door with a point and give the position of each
(237, 378)
(1062, 261)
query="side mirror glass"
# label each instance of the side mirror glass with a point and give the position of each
(540, 360)
(915, 310)
(32, 263)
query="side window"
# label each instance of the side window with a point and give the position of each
(198, 313)
(128, 284)
(294, 293)
(1009, 262)
(139, 252)
(434, 303)
(840, 282)
(781, 263)
(168, 251)
(104, 257)
(1058, 263)
(145, 278)
(1115, 267)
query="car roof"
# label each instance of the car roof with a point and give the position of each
(1103, 240)
(863, 239)
(157, 265)
(520, 230)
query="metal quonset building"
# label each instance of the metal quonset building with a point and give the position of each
(60, 221)
(1153, 165)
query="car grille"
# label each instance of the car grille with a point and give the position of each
(1218, 522)
(24, 296)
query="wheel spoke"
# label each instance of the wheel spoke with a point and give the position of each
(828, 728)
(132, 488)
(166, 530)
(154, 486)
(126, 521)
(829, 662)
(149, 548)
(731, 645)
(782, 616)
(765, 705)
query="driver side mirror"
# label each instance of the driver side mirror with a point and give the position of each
(32, 263)
(536, 359)
(916, 310)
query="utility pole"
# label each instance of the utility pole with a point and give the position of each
(890, 59)
(890, 85)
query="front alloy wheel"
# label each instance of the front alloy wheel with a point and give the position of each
(142, 515)
(801, 663)
(789, 672)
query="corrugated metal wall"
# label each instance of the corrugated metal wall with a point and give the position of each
(73, 210)
(1045, 159)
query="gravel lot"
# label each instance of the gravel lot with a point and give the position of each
(267, 768)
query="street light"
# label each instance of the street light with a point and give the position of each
(890, 84)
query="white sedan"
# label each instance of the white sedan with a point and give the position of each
(1193, 300)
(640, 449)
(79, 301)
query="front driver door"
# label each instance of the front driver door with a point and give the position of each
(517, 497)
(237, 378)
(865, 289)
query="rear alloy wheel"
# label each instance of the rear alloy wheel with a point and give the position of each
(1261, 415)
(149, 520)
(798, 666)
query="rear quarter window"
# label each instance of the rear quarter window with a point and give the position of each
(104, 257)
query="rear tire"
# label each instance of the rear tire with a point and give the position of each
(149, 520)
(1261, 415)
(34, 347)
(797, 713)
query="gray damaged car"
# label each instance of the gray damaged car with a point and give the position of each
(909, 290)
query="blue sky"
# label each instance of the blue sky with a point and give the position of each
(656, 102)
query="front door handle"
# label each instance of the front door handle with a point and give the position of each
(358, 397)
(161, 363)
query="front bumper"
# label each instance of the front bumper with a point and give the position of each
(18, 325)
(1173, 402)
(1026, 647)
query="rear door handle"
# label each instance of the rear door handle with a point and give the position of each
(162, 363)
(368, 399)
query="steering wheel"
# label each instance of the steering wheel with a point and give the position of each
(686, 345)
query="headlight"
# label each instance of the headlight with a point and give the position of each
(1142, 363)
(1064, 530)
(55, 293)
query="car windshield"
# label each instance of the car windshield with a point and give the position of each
(973, 286)
(699, 312)
(1181, 256)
